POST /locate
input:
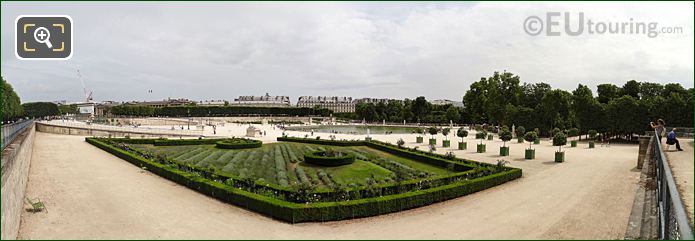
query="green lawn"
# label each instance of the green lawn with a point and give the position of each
(281, 163)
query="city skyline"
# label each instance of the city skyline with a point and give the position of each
(383, 50)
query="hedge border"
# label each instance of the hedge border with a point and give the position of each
(235, 144)
(322, 211)
(320, 160)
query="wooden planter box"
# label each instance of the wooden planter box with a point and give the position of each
(573, 143)
(480, 148)
(559, 156)
(463, 145)
(504, 151)
(433, 142)
(419, 139)
(530, 154)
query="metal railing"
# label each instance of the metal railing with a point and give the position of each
(11, 131)
(673, 219)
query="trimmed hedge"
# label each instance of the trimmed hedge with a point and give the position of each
(322, 142)
(320, 158)
(316, 211)
(238, 144)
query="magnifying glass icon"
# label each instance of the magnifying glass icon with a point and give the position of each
(43, 36)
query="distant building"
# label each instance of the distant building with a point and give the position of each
(101, 109)
(163, 103)
(375, 100)
(212, 103)
(262, 101)
(335, 103)
(447, 102)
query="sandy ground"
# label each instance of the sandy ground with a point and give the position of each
(91, 194)
(682, 164)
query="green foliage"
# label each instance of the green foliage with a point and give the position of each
(238, 143)
(461, 133)
(446, 131)
(417, 110)
(592, 134)
(68, 109)
(505, 135)
(530, 136)
(520, 131)
(572, 132)
(40, 109)
(433, 130)
(11, 105)
(329, 158)
(196, 111)
(268, 200)
(559, 139)
(626, 115)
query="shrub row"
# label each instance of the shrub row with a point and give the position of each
(429, 159)
(322, 142)
(321, 211)
(238, 143)
(319, 158)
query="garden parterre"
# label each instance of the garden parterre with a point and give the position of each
(274, 180)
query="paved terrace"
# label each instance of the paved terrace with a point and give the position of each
(91, 194)
(682, 163)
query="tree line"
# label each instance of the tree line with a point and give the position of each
(501, 100)
(13, 109)
(418, 110)
(198, 111)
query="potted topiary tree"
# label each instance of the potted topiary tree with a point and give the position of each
(446, 142)
(573, 132)
(433, 131)
(538, 139)
(554, 131)
(480, 135)
(592, 137)
(559, 140)
(462, 133)
(490, 130)
(520, 131)
(505, 136)
(419, 137)
(530, 137)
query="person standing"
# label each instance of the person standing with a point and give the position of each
(659, 127)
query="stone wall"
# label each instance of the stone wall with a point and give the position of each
(16, 158)
(86, 131)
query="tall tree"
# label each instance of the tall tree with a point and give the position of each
(11, 105)
(607, 92)
(631, 88)
(650, 90)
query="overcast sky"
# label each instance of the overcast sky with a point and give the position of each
(390, 50)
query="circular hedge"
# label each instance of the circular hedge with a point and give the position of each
(238, 143)
(322, 158)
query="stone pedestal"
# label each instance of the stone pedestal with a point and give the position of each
(643, 145)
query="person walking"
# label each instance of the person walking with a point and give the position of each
(671, 139)
(659, 127)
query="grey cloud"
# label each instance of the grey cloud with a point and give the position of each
(397, 50)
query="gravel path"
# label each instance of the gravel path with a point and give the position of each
(91, 194)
